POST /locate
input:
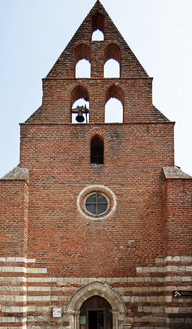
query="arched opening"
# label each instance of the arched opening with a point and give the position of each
(97, 35)
(113, 111)
(83, 69)
(114, 104)
(78, 109)
(97, 150)
(95, 313)
(100, 289)
(82, 61)
(97, 25)
(103, 290)
(112, 68)
(79, 102)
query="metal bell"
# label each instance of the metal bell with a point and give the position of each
(80, 117)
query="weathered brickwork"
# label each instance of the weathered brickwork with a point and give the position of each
(56, 254)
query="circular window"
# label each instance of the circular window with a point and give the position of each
(96, 203)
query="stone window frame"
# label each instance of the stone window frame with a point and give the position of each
(107, 192)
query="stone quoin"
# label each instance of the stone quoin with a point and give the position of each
(96, 220)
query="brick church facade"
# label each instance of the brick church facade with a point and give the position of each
(96, 220)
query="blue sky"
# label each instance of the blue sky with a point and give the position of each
(34, 33)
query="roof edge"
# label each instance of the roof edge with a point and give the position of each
(17, 173)
(175, 173)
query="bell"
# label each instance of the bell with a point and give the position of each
(80, 117)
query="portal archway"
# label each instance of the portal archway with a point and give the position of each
(96, 289)
(100, 289)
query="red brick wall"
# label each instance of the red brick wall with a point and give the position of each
(13, 218)
(58, 157)
(179, 215)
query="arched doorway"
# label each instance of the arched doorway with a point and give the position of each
(93, 289)
(95, 313)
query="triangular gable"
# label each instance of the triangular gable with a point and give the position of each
(130, 66)
(133, 88)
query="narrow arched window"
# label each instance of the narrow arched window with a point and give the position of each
(97, 150)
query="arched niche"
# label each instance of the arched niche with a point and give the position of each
(79, 97)
(97, 25)
(82, 61)
(112, 61)
(114, 104)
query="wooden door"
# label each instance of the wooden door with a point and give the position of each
(96, 313)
